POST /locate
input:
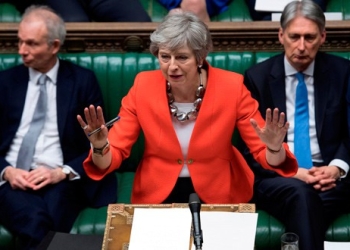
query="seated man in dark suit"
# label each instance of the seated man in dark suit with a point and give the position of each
(43, 186)
(320, 191)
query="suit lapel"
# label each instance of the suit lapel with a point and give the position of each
(64, 95)
(321, 88)
(19, 91)
(277, 84)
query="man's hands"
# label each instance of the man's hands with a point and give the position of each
(322, 178)
(35, 179)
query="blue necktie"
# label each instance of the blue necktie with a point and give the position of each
(27, 149)
(302, 149)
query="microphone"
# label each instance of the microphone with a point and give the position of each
(195, 207)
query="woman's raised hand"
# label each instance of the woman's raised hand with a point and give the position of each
(94, 120)
(275, 129)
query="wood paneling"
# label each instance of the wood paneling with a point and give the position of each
(227, 36)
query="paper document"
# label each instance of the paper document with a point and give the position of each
(227, 230)
(336, 245)
(170, 229)
(161, 228)
(271, 5)
(330, 16)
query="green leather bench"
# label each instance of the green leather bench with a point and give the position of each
(116, 72)
(237, 11)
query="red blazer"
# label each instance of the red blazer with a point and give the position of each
(218, 171)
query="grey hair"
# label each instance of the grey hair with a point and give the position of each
(55, 25)
(305, 8)
(180, 29)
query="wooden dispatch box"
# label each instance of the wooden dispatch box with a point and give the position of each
(120, 216)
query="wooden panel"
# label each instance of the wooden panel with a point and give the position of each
(227, 36)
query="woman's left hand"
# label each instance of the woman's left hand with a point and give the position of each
(274, 131)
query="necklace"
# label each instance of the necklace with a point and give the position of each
(193, 113)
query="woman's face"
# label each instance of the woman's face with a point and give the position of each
(179, 67)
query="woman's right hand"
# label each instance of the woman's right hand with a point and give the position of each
(94, 120)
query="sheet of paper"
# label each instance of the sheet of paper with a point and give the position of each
(330, 16)
(271, 5)
(336, 245)
(227, 230)
(161, 228)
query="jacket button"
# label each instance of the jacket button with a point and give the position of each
(179, 161)
(190, 161)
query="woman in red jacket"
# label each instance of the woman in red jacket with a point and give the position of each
(188, 112)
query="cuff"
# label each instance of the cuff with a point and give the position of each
(77, 176)
(340, 164)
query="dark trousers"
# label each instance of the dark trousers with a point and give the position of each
(181, 191)
(91, 10)
(301, 208)
(30, 215)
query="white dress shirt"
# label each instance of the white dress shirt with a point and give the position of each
(291, 84)
(48, 150)
(184, 131)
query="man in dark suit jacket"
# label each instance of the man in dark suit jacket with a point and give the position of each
(310, 201)
(50, 195)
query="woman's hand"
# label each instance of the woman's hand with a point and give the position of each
(94, 120)
(274, 131)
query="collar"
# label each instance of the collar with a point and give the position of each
(292, 71)
(51, 74)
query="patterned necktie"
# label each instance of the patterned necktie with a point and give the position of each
(302, 149)
(26, 151)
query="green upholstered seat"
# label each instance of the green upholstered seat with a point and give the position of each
(8, 13)
(83, 223)
(237, 11)
(7, 241)
(342, 6)
(115, 73)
